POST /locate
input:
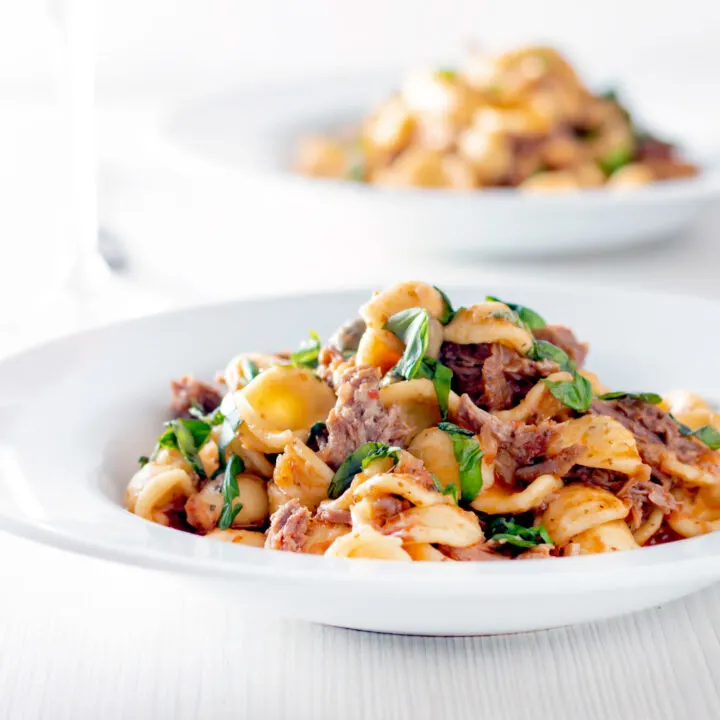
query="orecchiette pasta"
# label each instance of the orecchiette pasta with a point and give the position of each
(281, 404)
(499, 500)
(486, 323)
(608, 537)
(239, 537)
(427, 433)
(435, 448)
(606, 444)
(445, 524)
(402, 296)
(416, 402)
(578, 508)
(300, 473)
(367, 543)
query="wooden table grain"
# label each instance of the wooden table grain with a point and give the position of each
(84, 638)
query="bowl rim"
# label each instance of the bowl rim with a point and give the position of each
(705, 185)
(180, 552)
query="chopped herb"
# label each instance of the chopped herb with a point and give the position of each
(316, 431)
(529, 318)
(450, 489)
(543, 350)
(506, 530)
(307, 355)
(577, 393)
(441, 377)
(413, 328)
(356, 172)
(356, 462)
(230, 492)
(448, 313)
(707, 434)
(213, 418)
(250, 370)
(187, 436)
(143, 460)
(468, 455)
(446, 73)
(616, 159)
(230, 423)
(166, 440)
(190, 436)
(508, 315)
(383, 452)
(652, 398)
(613, 96)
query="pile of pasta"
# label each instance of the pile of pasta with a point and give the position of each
(521, 119)
(424, 432)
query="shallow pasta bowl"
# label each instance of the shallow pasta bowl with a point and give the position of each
(76, 413)
(245, 141)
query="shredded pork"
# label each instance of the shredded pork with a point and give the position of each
(359, 417)
(189, 392)
(495, 376)
(289, 526)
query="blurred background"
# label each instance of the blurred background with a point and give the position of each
(159, 211)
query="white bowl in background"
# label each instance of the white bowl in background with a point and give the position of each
(252, 134)
(75, 414)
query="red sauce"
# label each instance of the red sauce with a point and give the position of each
(664, 535)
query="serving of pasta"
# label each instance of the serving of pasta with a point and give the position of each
(518, 119)
(425, 432)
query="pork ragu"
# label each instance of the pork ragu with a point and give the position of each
(426, 432)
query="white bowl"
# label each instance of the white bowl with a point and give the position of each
(252, 134)
(75, 414)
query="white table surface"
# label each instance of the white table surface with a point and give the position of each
(80, 638)
(83, 638)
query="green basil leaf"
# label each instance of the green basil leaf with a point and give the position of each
(706, 434)
(250, 370)
(453, 429)
(191, 436)
(576, 394)
(528, 317)
(543, 350)
(652, 398)
(441, 377)
(382, 452)
(213, 418)
(450, 489)
(354, 464)
(709, 435)
(166, 440)
(616, 159)
(307, 355)
(507, 530)
(468, 455)
(316, 431)
(231, 422)
(509, 315)
(230, 492)
(448, 313)
(356, 172)
(143, 460)
(413, 328)
(446, 73)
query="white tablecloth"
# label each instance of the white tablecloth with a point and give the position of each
(83, 638)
